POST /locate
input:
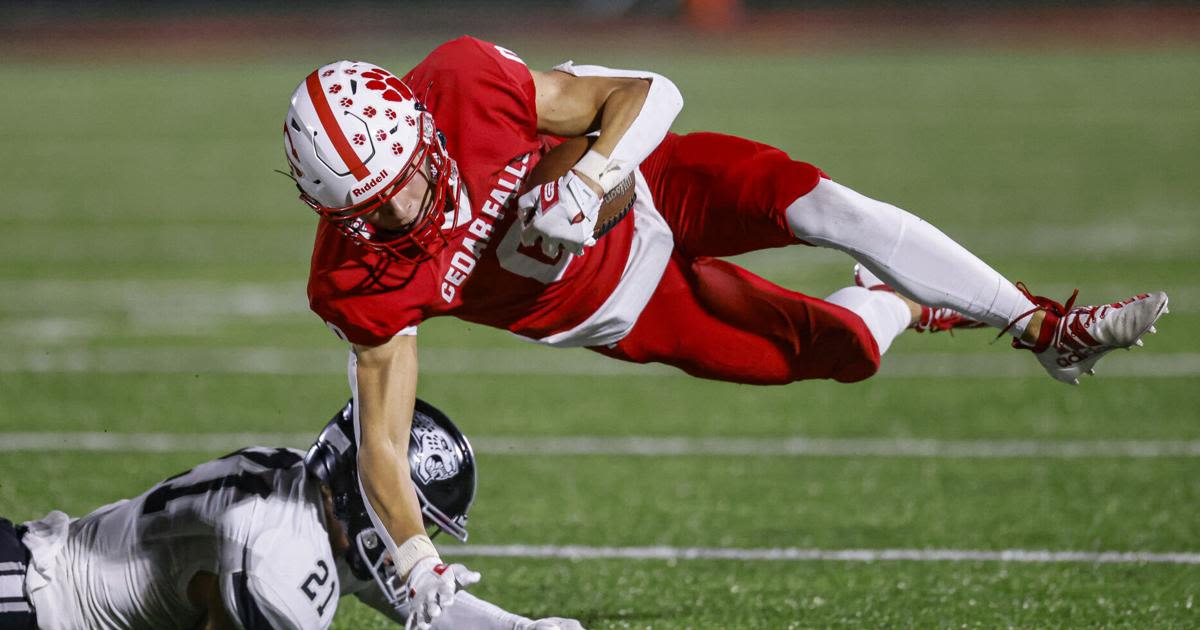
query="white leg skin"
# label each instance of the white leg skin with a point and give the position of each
(885, 314)
(910, 255)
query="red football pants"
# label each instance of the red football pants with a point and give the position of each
(723, 196)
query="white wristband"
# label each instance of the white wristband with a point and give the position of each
(607, 172)
(593, 165)
(413, 551)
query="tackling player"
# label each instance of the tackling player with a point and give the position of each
(262, 538)
(418, 183)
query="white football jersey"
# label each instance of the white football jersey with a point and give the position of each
(253, 518)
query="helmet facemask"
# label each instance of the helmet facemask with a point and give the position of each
(371, 556)
(422, 237)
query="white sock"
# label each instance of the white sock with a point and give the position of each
(885, 314)
(907, 253)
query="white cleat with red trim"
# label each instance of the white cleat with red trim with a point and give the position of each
(1073, 338)
(933, 318)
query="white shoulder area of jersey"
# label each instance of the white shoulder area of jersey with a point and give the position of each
(583, 70)
(287, 578)
(45, 539)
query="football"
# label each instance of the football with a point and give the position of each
(617, 203)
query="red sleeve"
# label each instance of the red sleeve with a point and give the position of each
(361, 300)
(368, 320)
(481, 96)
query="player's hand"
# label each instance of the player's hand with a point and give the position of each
(561, 213)
(431, 587)
(553, 623)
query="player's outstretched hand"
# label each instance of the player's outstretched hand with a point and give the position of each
(553, 623)
(431, 588)
(562, 213)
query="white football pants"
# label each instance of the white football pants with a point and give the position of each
(910, 255)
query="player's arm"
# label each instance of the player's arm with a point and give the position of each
(571, 106)
(468, 613)
(386, 378)
(386, 386)
(631, 110)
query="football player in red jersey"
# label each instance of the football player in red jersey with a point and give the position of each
(417, 180)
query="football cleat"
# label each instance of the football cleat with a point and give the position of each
(932, 319)
(1073, 338)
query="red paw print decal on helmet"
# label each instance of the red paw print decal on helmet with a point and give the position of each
(358, 139)
(351, 71)
(327, 73)
(381, 135)
(381, 80)
(345, 102)
(335, 88)
(369, 111)
(412, 122)
(397, 148)
(391, 115)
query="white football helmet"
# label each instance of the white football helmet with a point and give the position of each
(354, 137)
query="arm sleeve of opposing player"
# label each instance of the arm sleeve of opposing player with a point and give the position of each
(370, 595)
(467, 613)
(663, 104)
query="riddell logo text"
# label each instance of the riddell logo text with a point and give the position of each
(371, 184)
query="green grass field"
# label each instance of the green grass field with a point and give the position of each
(151, 280)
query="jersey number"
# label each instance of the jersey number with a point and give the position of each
(530, 262)
(319, 578)
(508, 54)
(246, 482)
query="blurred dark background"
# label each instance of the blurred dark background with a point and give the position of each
(72, 28)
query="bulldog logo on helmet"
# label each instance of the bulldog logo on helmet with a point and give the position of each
(435, 460)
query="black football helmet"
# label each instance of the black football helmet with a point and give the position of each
(441, 464)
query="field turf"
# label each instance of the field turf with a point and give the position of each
(151, 280)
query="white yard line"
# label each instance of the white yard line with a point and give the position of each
(578, 552)
(1170, 235)
(997, 362)
(144, 300)
(632, 446)
(152, 298)
(837, 447)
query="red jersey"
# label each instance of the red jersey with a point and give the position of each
(482, 99)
